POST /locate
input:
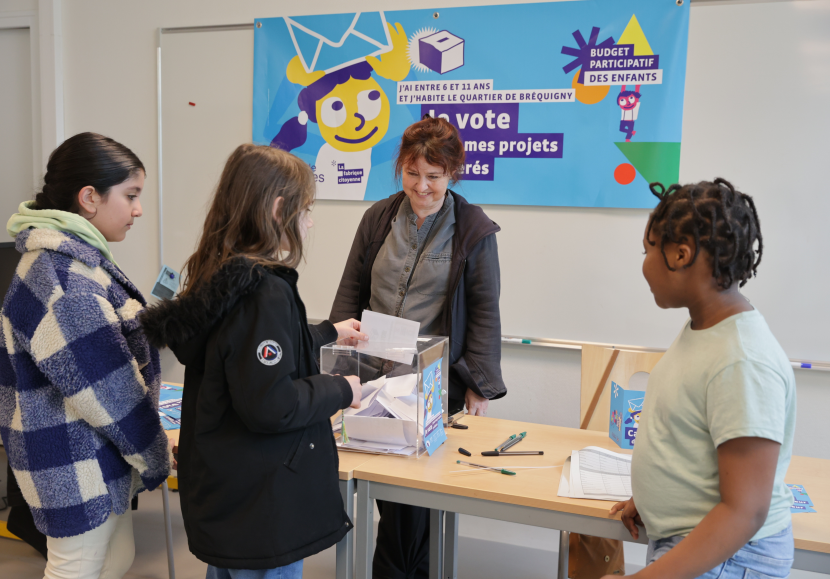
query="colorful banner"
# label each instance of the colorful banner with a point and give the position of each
(434, 435)
(565, 103)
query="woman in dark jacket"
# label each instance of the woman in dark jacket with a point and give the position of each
(425, 254)
(257, 459)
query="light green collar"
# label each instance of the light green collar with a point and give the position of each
(27, 217)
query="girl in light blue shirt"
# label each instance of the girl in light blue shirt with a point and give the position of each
(716, 431)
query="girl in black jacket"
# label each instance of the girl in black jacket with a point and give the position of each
(257, 459)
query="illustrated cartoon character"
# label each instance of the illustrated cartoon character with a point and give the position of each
(429, 390)
(635, 408)
(352, 112)
(629, 102)
(616, 420)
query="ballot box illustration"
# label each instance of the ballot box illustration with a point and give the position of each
(442, 51)
(626, 406)
(403, 409)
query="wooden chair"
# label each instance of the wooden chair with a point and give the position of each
(590, 556)
(601, 366)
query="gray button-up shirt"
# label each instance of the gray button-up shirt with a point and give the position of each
(394, 265)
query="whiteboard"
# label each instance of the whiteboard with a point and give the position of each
(756, 113)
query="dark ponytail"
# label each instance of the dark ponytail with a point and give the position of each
(87, 159)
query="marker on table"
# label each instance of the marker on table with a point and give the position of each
(513, 442)
(483, 467)
(465, 452)
(515, 340)
(501, 446)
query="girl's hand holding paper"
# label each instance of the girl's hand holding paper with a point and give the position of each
(350, 329)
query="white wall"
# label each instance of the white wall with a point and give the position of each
(15, 120)
(17, 5)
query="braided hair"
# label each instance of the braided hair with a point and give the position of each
(717, 218)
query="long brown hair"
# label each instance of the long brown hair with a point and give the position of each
(240, 222)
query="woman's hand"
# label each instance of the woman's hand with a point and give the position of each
(350, 329)
(630, 516)
(354, 382)
(476, 405)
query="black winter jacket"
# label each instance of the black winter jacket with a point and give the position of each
(471, 316)
(257, 459)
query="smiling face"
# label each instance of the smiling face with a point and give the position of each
(425, 185)
(354, 116)
(115, 212)
(627, 102)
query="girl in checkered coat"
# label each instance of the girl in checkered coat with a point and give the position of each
(79, 383)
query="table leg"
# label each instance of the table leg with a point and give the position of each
(436, 543)
(345, 548)
(168, 530)
(363, 531)
(564, 547)
(450, 545)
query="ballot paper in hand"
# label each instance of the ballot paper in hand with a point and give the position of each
(390, 337)
(596, 473)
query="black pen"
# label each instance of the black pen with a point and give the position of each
(514, 453)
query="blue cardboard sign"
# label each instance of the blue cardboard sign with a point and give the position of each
(434, 434)
(558, 103)
(802, 503)
(626, 406)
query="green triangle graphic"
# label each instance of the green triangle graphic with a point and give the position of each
(654, 161)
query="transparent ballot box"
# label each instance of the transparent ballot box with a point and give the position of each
(403, 409)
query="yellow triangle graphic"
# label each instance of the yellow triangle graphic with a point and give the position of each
(633, 34)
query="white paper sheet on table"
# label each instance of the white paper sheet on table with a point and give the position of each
(596, 473)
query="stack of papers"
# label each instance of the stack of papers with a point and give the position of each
(170, 406)
(387, 417)
(596, 473)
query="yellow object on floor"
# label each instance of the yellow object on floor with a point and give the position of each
(4, 532)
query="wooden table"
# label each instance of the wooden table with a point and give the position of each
(530, 497)
(811, 531)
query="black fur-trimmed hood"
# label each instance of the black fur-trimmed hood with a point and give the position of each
(178, 321)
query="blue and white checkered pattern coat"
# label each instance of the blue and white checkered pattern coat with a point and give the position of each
(79, 386)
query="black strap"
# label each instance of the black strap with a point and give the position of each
(415, 265)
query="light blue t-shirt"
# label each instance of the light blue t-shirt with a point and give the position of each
(729, 381)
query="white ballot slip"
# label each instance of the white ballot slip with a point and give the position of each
(401, 385)
(394, 333)
(596, 473)
(389, 329)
